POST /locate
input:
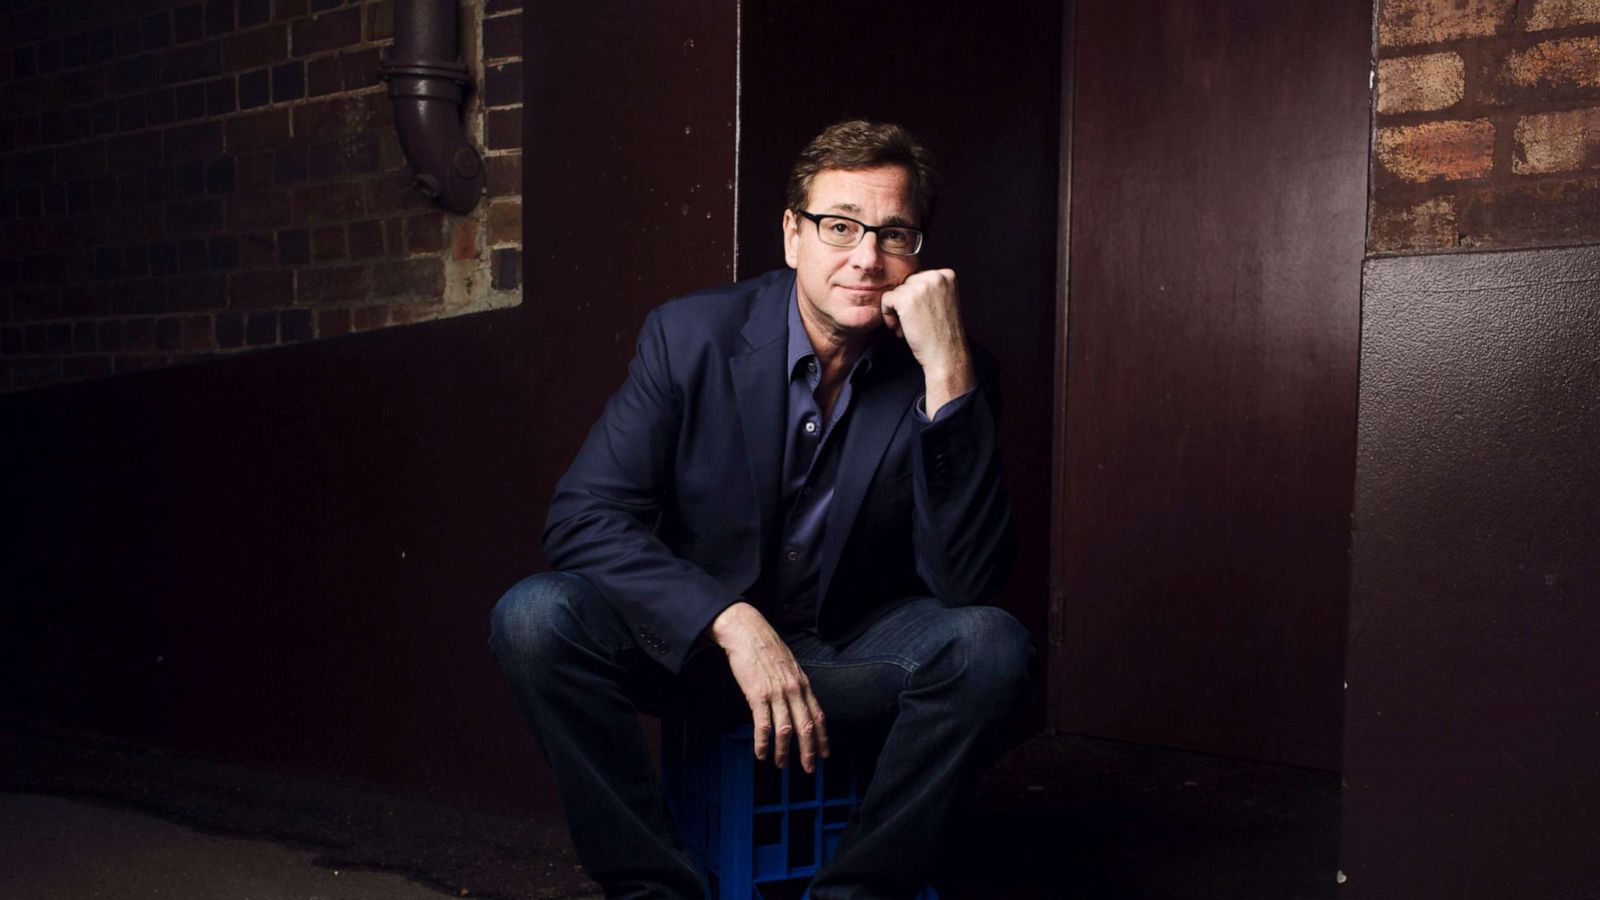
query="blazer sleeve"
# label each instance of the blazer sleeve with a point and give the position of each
(603, 515)
(962, 532)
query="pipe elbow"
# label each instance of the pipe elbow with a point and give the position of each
(427, 86)
(446, 166)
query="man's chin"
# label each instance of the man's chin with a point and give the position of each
(864, 324)
(864, 311)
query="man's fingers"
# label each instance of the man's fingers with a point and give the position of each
(762, 716)
(813, 738)
(805, 731)
(782, 730)
(821, 729)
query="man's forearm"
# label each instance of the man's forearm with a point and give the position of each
(961, 526)
(948, 382)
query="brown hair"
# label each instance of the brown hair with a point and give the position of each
(860, 144)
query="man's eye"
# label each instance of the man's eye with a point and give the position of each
(840, 227)
(895, 236)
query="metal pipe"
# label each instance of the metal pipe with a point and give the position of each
(427, 84)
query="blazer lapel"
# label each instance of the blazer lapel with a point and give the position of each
(760, 384)
(875, 415)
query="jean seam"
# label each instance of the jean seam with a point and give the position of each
(909, 666)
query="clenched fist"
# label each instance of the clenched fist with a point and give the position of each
(925, 311)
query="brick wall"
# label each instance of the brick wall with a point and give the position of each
(1488, 125)
(181, 181)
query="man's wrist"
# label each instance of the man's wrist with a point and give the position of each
(944, 383)
(720, 629)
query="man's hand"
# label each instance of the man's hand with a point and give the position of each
(780, 698)
(925, 311)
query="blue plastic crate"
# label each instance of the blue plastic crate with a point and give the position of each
(749, 823)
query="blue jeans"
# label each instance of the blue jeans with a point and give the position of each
(940, 682)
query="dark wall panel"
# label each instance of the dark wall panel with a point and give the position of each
(980, 85)
(288, 559)
(1473, 715)
(285, 559)
(1217, 222)
(628, 194)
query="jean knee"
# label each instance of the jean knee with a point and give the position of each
(996, 654)
(537, 613)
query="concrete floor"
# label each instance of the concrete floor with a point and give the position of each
(1059, 817)
(57, 849)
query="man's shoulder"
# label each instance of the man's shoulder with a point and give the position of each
(726, 308)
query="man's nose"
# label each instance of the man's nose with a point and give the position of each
(866, 254)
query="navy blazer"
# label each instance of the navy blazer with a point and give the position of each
(671, 507)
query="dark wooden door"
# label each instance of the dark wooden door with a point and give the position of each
(1205, 448)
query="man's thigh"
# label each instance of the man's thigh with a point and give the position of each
(553, 624)
(858, 681)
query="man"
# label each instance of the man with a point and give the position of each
(788, 510)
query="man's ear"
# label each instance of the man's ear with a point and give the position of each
(791, 238)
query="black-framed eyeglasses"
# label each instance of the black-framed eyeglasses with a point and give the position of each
(843, 231)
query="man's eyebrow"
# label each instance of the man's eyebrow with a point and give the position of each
(891, 220)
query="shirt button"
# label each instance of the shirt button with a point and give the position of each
(811, 427)
(805, 491)
(793, 555)
(811, 366)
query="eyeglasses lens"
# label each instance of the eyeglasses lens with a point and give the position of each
(842, 232)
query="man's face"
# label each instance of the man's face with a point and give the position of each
(841, 288)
